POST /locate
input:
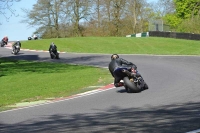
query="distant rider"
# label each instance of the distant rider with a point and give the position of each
(5, 40)
(52, 48)
(17, 43)
(115, 68)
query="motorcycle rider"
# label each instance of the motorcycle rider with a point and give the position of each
(115, 67)
(5, 40)
(17, 43)
(53, 48)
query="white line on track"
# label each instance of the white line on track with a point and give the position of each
(195, 131)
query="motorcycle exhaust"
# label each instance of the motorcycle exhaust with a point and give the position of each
(129, 73)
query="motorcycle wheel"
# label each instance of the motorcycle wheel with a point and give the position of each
(130, 86)
(52, 56)
(2, 45)
(127, 89)
(15, 52)
(57, 56)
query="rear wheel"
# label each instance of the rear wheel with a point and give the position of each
(51, 56)
(2, 44)
(57, 56)
(127, 89)
(131, 86)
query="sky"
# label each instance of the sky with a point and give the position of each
(13, 28)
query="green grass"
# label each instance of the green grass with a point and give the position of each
(120, 45)
(24, 81)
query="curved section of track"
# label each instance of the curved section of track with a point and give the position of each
(172, 103)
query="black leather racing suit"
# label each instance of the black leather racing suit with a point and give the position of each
(53, 48)
(5, 40)
(118, 64)
(18, 43)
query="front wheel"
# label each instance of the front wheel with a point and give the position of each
(2, 44)
(130, 86)
(51, 55)
(16, 51)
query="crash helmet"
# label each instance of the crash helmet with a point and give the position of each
(114, 56)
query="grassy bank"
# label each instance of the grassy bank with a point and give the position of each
(23, 81)
(120, 45)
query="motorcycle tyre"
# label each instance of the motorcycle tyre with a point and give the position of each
(29, 38)
(57, 56)
(52, 56)
(2, 44)
(16, 51)
(130, 86)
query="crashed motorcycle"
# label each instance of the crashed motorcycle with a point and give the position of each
(33, 38)
(133, 81)
(54, 54)
(16, 49)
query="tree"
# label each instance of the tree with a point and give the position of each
(163, 7)
(186, 17)
(46, 14)
(187, 8)
(6, 6)
(80, 10)
(118, 7)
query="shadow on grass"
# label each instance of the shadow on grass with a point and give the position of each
(96, 60)
(93, 60)
(163, 119)
(13, 64)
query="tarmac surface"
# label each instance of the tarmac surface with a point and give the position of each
(171, 105)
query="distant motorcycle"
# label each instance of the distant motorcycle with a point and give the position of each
(16, 50)
(3, 43)
(133, 81)
(33, 38)
(54, 54)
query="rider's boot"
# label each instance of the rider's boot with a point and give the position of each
(119, 84)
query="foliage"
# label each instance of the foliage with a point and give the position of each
(172, 20)
(88, 18)
(190, 25)
(69, 18)
(187, 8)
(186, 17)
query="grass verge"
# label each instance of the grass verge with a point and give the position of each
(120, 45)
(25, 81)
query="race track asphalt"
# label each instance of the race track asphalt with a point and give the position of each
(171, 105)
